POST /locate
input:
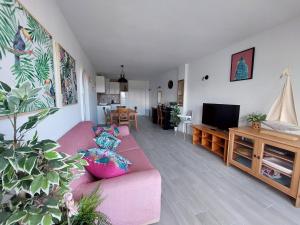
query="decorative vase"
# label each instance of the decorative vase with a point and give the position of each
(256, 125)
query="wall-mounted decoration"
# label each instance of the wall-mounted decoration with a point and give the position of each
(180, 92)
(206, 77)
(170, 84)
(68, 79)
(26, 53)
(242, 65)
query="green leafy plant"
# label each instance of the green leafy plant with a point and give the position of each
(175, 120)
(34, 176)
(256, 117)
(87, 213)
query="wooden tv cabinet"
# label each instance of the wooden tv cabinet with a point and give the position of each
(274, 160)
(215, 141)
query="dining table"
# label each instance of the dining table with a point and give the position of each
(133, 116)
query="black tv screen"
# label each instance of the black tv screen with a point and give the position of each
(221, 116)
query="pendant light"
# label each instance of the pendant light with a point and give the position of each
(123, 81)
(122, 78)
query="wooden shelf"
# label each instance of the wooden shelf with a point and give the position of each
(243, 155)
(213, 140)
(273, 154)
(219, 144)
(279, 171)
(244, 144)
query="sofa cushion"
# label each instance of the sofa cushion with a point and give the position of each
(104, 163)
(123, 131)
(79, 137)
(107, 141)
(127, 143)
(111, 129)
(138, 159)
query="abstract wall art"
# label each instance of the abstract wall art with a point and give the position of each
(242, 65)
(68, 77)
(26, 53)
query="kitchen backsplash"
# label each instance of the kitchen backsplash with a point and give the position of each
(108, 98)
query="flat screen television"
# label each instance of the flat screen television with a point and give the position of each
(221, 116)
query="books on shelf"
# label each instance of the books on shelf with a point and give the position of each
(279, 165)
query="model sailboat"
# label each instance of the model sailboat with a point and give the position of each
(282, 116)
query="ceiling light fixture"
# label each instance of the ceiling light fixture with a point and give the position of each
(123, 81)
(122, 78)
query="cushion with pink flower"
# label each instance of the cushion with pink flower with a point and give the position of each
(111, 129)
(104, 163)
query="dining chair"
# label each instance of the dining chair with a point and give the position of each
(132, 116)
(106, 115)
(160, 116)
(113, 117)
(124, 117)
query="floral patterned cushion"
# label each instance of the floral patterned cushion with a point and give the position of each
(107, 141)
(112, 129)
(104, 163)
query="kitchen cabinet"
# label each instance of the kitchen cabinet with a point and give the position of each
(114, 88)
(274, 160)
(100, 84)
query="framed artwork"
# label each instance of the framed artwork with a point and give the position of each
(242, 65)
(26, 53)
(68, 79)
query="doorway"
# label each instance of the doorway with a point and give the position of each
(85, 97)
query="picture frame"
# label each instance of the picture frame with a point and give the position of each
(68, 76)
(26, 54)
(242, 64)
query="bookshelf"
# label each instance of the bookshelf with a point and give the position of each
(215, 141)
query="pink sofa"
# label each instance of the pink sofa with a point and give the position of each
(131, 199)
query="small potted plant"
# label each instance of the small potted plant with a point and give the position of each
(255, 119)
(175, 119)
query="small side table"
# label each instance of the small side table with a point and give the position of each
(186, 121)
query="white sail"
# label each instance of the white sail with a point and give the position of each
(283, 113)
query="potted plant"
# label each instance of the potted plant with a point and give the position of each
(34, 177)
(255, 119)
(88, 213)
(175, 119)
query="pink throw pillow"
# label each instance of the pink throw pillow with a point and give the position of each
(103, 163)
(101, 170)
(123, 131)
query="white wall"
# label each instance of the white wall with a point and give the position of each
(50, 16)
(168, 95)
(138, 95)
(274, 50)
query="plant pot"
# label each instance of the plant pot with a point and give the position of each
(175, 129)
(256, 125)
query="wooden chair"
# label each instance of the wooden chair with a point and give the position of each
(124, 117)
(107, 116)
(133, 118)
(160, 116)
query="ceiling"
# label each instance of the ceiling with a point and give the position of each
(153, 36)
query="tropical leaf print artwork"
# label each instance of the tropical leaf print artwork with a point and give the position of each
(67, 77)
(26, 53)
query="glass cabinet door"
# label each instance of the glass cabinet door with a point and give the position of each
(277, 165)
(243, 152)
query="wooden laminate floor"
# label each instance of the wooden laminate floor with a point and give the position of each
(197, 188)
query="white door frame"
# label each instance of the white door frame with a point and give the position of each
(85, 102)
